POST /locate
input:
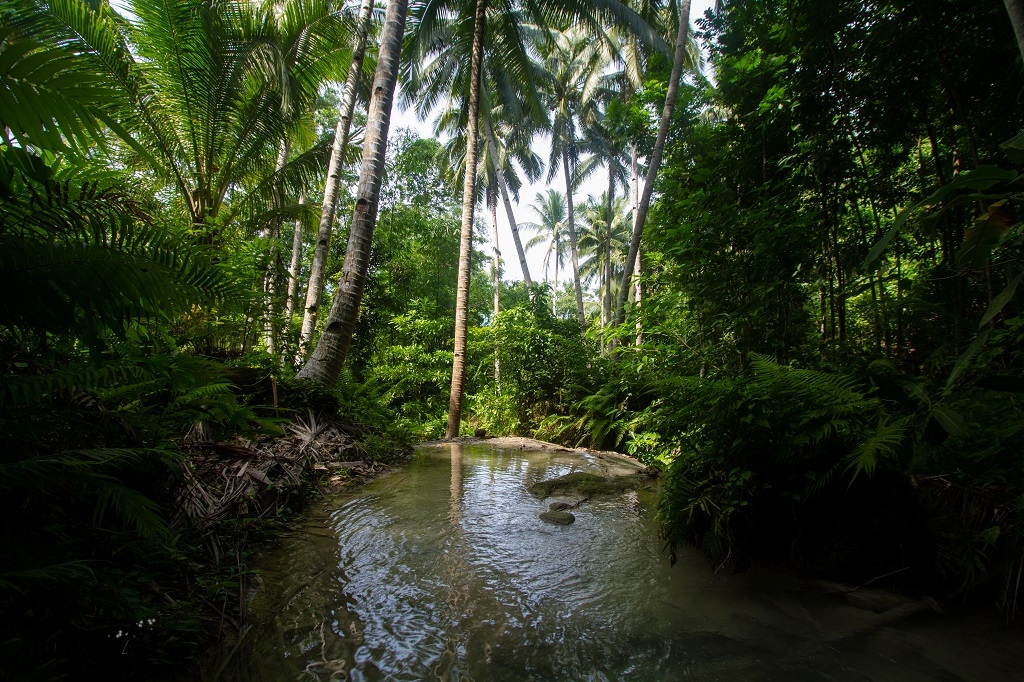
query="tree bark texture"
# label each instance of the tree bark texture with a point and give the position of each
(466, 238)
(508, 207)
(273, 253)
(574, 255)
(293, 268)
(315, 290)
(492, 204)
(325, 364)
(659, 148)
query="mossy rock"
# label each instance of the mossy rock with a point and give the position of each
(558, 518)
(587, 485)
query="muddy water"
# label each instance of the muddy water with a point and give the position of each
(443, 571)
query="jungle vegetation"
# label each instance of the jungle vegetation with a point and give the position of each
(797, 293)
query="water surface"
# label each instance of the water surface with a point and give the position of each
(443, 571)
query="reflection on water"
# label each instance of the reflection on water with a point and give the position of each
(443, 571)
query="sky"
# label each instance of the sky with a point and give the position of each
(594, 185)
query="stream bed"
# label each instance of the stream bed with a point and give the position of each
(444, 571)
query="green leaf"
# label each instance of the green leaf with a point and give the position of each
(1000, 301)
(972, 350)
(952, 422)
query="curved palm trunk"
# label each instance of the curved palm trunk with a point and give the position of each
(492, 203)
(1015, 8)
(508, 206)
(573, 252)
(659, 147)
(466, 239)
(324, 365)
(315, 290)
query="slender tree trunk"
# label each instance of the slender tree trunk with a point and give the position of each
(659, 147)
(574, 254)
(1015, 8)
(294, 265)
(293, 268)
(315, 290)
(270, 276)
(554, 283)
(637, 301)
(466, 239)
(492, 203)
(606, 298)
(508, 205)
(324, 366)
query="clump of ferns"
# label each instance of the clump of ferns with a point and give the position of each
(750, 448)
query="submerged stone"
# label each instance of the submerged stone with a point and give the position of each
(588, 485)
(559, 506)
(558, 518)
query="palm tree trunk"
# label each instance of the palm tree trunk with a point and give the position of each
(659, 147)
(492, 203)
(466, 237)
(324, 365)
(606, 299)
(573, 252)
(637, 299)
(293, 267)
(293, 278)
(270, 276)
(508, 206)
(315, 290)
(1015, 8)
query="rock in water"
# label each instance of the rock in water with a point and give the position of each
(558, 518)
(559, 506)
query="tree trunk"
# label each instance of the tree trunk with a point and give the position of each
(508, 206)
(492, 203)
(270, 276)
(315, 290)
(637, 300)
(606, 299)
(659, 147)
(293, 282)
(293, 268)
(574, 255)
(1015, 8)
(324, 366)
(466, 238)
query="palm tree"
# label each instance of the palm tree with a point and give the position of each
(214, 127)
(574, 62)
(445, 40)
(314, 290)
(604, 247)
(681, 44)
(325, 364)
(550, 210)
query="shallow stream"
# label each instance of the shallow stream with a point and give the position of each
(443, 571)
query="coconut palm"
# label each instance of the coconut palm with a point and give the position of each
(215, 127)
(604, 248)
(679, 56)
(325, 363)
(574, 62)
(314, 291)
(550, 229)
(447, 36)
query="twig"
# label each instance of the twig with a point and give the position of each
(854, 589)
